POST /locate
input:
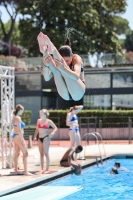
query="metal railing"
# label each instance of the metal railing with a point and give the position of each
(109, 129)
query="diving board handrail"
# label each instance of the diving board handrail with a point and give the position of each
(98, 146)
(95, 134)
(101, 142)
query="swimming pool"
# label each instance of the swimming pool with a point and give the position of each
(99, 184)
(95, 183)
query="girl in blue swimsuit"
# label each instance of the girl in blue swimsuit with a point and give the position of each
(72, 122)
(18, 139)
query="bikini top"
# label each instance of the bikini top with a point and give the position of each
(81, 72)
(74, 118)
(22, 124)
(45, 125)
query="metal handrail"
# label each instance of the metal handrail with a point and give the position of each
(101, 142)
(95, 135)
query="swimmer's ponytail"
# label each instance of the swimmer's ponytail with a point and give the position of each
(67, 42)
(65, 50)
(18, 107)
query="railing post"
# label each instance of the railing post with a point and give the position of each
(30, 141)
(95, 124)
(80, 126)
(129, 129)
(100, 126)
(59, 136)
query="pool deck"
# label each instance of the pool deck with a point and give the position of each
(10, 183)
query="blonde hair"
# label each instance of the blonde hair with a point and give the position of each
(18, 108)
(44, 111)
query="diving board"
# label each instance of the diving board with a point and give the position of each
(44, 192)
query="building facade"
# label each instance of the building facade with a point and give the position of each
(106, 88)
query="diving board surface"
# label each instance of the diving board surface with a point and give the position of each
(43, 192)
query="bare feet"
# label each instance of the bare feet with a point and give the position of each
(41, 172)
(28, 174)
(44, 41)
(50, 45)
(45, 172)
(41, 42)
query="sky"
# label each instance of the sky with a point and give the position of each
(127, 15)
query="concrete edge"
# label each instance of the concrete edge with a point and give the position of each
(56, 175)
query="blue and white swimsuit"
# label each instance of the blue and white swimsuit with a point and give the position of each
(22, 126)
(74, 119)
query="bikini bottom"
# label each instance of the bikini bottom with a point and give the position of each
(74, 129)
(14, 135)
(41, 139)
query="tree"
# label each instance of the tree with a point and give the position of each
(15, 38)
(14, 5)
(129, 42)
(121, 26)
(9, 32)
(89, 23)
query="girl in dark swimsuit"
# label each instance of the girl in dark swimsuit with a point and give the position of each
(42, 127)
(68, 159)
(66, 67)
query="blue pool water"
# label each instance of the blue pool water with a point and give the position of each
(99, 184)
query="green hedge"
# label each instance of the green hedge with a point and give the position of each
(26, 116)
(106, 116)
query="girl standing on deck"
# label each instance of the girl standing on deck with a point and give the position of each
(18, 139)
(42, 127)
(72, 122)
(64, 66)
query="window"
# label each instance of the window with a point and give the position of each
(122, 80)
(28, 82)
(97, 80)
(97, 102)
(123, 101)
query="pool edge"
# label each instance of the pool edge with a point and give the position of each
(56, 175)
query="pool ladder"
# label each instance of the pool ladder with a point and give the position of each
(96, 135)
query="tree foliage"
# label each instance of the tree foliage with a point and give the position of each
(129, 42)
(88, 23)
(13, 8)
(121, 26)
